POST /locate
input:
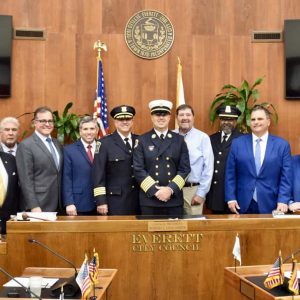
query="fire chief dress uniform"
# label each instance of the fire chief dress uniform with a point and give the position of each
(161, 162)
(114, 183)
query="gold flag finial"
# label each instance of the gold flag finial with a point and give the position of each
(99, 46)
(179, 60)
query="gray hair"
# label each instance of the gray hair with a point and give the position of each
(87, 119)
(9, 120)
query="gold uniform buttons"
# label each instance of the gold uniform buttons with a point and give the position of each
(169, 173)
(168, 166)
(157, 158)
(156, 166)
(220, 153)
(132, 186)
(216, 171)
(117, 159)
(215, 182)
(218, 161)
(156, 173)
(167, 158)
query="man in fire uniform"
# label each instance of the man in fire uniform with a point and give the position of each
(161, 164)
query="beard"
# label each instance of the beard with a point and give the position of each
(227, 128)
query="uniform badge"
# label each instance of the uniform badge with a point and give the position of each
(124, 109)
(136, 143)
(153, 136)
(169, 135)
(98, 145)
(151, 148)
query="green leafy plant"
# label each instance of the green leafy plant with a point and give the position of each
(66, 125)
(244, 98)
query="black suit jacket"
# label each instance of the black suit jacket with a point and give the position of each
(215, 197)
(114, 183)
(11, 203)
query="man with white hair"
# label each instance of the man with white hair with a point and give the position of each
(9, 133)
(161, 164)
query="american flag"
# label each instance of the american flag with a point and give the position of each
(275, 276)
(93, 267)
(100, 106)
(83, 279)
(293, 282)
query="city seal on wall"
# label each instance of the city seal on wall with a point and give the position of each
(149, 34)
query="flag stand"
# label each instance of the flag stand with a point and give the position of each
(94, 297)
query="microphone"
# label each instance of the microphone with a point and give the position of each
(15, 294)
(70, 285)
(26, 217)
(290, 256)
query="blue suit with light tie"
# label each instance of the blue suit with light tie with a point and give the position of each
(273, 183)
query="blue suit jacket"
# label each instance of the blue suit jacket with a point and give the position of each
(77, 178)
(296, 178)
(274, 181)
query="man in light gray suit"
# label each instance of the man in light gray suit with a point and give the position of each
(39, 164)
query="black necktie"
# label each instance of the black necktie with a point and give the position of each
(162, 137)
(224, 138)
(127, 144)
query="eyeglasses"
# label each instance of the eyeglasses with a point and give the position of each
(45, 121)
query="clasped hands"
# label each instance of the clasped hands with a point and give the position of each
(164, 193)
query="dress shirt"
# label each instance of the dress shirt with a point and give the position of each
(85, 145)
(3, 174)
(159, 133)
(123, 137)
(263, 145)
(8, 150)
(222, 136)
(201, 159)
(43, 139)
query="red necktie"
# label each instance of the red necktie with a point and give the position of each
(89, 153)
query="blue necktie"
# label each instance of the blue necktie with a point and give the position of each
(257, 158)
(52, 152)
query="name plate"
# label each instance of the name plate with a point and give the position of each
(167, 226)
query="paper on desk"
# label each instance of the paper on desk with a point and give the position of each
(284, 216)
(46, 282)
(287, 274)
(49, 216)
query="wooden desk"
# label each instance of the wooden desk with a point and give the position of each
(105, 278)
(238, 287)
(155, 265)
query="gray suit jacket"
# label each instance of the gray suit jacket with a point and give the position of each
(39, 178)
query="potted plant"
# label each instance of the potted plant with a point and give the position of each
(66, 125)
(244, 98)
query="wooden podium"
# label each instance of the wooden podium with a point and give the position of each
(156, 259)
(239, 286)
(105, 278)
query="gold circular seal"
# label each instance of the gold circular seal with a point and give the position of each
(149, 34)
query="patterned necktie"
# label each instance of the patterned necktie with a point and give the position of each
(162, 137)
(2, 191)
(224, 138)
(89, 153)
(52, 151)
(127, 144)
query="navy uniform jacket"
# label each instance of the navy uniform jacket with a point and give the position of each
(215, 198)
(163, 163)
(114, 183)
(77, 178)
(11, 202)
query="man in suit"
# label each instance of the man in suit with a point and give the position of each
(161, 164)
(221, 143)
(294, 204)
(115, 188)
(258, 176)
(78, 198)
(9, 133)
(9, 189)
(201, 161)
(39, 162)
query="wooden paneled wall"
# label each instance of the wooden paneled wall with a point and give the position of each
(212, 38)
